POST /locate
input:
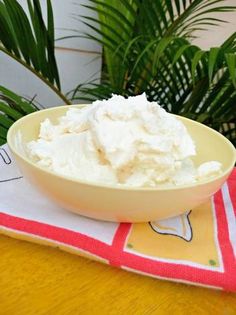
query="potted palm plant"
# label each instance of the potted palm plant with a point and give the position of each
(147, 47)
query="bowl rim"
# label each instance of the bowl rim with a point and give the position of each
(118, 186)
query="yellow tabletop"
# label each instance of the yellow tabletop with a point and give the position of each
(37, 280)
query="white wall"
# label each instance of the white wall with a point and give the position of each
(78, 59)
(215, 36)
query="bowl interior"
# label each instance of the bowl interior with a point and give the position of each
(210, 145)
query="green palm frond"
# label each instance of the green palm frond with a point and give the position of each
(147, 48)
(12, 107)
(30, 41)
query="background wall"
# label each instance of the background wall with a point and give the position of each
(216, 35)
(79, 60)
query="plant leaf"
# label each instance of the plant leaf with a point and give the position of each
(213, 54)
(231, 62)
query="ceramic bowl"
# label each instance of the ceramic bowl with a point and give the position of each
(115, 203)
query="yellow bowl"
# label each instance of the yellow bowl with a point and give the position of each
(122, 204)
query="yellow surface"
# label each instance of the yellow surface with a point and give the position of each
(37, 280)
(126, 204)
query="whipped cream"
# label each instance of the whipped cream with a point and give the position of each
(130, 142)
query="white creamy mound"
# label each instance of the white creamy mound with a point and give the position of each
(130, 141)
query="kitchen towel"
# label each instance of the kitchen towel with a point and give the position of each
(198, 247)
